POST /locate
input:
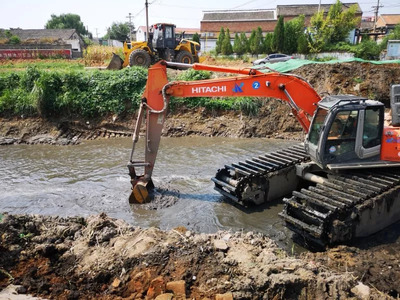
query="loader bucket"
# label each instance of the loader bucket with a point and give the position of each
(115, 63)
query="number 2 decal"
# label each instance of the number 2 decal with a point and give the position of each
(256, 85)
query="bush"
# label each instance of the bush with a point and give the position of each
(57, 93)
(368, 49)
(14, 40)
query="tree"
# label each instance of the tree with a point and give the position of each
(256, 44)
(279, 36)
(226, 47)
(302, 44)
(244, 42)
(67, 21)
(333, 28)
(118, 31)
(252, 39)
(220, 39)
(268, 43)
(196, 37)
(237, 45)
(294, 29)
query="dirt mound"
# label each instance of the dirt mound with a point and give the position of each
(361, 79)
(102, 258)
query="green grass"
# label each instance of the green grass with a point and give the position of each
(45, 64)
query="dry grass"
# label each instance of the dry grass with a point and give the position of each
(96, 55)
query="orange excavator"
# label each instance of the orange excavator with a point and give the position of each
(344, 180)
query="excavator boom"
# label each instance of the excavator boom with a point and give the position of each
(297, 92)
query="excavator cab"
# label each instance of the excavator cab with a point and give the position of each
(346, 131)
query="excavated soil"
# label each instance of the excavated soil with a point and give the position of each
(103, 258)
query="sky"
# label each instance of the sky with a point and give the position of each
(100, 14)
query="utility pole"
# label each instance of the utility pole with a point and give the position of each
(130, 26)
(97, 33)
(319, 6)
(147, 20)
(376, 13)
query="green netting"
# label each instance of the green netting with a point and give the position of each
(293, 64)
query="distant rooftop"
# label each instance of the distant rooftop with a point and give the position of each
(309, 9)
(29, 34)
(388, 20)
(238, 15)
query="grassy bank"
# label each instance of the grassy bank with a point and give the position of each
(73, 91)
(70, 92)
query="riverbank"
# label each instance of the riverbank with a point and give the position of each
(103, 258)
(273, 118)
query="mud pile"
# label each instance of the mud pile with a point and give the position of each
(103, 258)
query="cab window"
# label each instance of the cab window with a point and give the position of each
(316, 126)
(372, 131)
(168, 32)
(342, 134)
(344, 125)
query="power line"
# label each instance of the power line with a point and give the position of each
(248, 2)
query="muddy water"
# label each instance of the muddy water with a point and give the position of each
(92, 178)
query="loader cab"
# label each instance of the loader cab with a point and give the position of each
(163, 36)
(345, 130)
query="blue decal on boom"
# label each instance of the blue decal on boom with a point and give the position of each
(238, 88)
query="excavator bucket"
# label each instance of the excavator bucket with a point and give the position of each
(140, 192)
(115, 63)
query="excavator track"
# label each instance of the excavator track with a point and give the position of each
(344, 206)
(249, 182)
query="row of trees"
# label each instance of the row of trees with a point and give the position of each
(117, 31)
(293, 36)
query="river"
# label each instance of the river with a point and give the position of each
(92, 177)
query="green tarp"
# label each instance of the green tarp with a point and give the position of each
(293, 64)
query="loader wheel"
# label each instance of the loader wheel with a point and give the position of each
(184, 57)
(139, 57)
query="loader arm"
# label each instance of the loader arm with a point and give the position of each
(297, 92)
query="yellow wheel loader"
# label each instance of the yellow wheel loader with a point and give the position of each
(163, 44)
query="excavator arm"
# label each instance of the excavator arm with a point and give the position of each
(297, 92)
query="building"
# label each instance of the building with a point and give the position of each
(37, 39)
(308, 10)
(383, 25)
(237, 21)
(246, 21)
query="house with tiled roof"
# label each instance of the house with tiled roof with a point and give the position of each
(388, 21)
(51, 37)
(308, 10)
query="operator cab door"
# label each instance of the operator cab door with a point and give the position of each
(170, 36)
(341, 136)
